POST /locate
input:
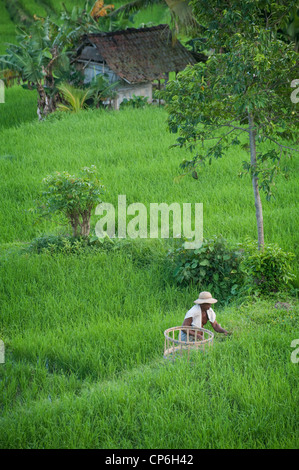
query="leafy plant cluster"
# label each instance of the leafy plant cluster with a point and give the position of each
(266, 270)
(142, 253)
(229, 271)
(43, 60)
(215, 266)
(233, 271)
(73, 197)
(134, 102)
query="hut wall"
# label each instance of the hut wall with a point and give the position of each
(92, 70)
(127, 91)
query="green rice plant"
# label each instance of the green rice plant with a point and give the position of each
(7, 28)
(135, 102)
(18, 13)
(84, 362)
(19, 107)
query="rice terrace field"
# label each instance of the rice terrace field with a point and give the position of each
(83, 322)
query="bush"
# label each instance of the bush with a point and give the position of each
(267, 270)
(134, 102)
(233, 271)
(52, 244)
(74, 197)
(215, 267)
(142, 252)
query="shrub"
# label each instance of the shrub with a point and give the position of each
(215, 267)
(52, 244)
(143, 253)
(74, 98)
(135, 102)
(74, 197)
(267, 270)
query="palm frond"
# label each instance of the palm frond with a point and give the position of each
(75, 97)
(85, 97)
(135, 6)
(63, 107)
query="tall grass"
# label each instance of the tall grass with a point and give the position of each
(19, 107)
(7, 28)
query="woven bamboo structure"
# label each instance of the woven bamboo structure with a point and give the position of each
(174, 345)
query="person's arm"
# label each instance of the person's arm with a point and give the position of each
(187, 322)
(219, 329)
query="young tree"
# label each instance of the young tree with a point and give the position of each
(74, 197)
(243, 91)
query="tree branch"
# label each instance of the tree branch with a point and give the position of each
(280, 145)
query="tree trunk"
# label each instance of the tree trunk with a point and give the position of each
(85, 227)
(257, 198)
(45, 103)
(74, 221)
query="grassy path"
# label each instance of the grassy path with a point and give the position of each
(242, 394)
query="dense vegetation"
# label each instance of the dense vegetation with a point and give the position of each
(83, 325)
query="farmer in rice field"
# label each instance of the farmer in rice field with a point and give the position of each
(199, 315)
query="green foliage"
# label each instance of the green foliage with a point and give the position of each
(74, 97)
(233, 271)
(243, 91)
(42, 55)
(208, 104)
(134, 102)
(142, 253)
(53, 244)
(19, 107)
(215, 267)
(84, 363)
(222, 20)
(267, 270)
(74, 197)
(101, 90)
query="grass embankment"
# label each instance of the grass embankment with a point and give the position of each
(7, 28)
(19, 107)
(84, 334)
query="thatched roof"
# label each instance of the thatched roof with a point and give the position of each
(137, 55)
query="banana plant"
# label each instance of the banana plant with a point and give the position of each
(42, 55)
